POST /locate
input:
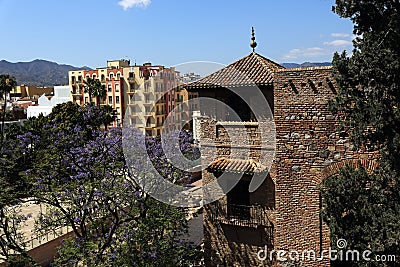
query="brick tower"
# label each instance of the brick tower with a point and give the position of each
(284, 212)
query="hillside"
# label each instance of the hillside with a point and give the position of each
(305, 65)
(45, 73)
(38, 72)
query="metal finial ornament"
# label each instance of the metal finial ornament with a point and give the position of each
(253, 43)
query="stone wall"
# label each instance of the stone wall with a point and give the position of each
(226, 244)
(307, 144)
(308, 149)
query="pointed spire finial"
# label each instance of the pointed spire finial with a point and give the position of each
(253, 43)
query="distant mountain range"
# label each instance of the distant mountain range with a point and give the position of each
(41, 73)
(44, 73)
(305, 65)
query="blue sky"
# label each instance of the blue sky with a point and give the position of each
(170, 32)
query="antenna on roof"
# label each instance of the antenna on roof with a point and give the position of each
(253, 43)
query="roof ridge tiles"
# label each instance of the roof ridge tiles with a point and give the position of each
(250, 70)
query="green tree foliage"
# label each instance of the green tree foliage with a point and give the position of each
(6, 84)
(95, 89)
(369, 80)
(78, 170)
(364, 209)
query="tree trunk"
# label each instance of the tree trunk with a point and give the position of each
(4, 116)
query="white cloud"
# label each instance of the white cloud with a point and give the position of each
(305, 53)
(340, 35)
(322, 51)
(338, 43)
(126, 4)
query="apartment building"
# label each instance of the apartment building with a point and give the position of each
(186, 103)
(30, 92)
(146, 92)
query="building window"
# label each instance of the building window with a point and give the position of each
(117, 99)
(111, 76)
(109, 88)
(147, 87)
(117, 88)
(110, 100)
(86, 99)
(238, 201)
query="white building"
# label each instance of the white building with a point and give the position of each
(45, 105)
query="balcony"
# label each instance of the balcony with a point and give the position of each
(179, 99)
(150, 125)
(137, 122)
(137, 99)
(240, 215)
(149, 114)
(131, 91)
(148, 102)
(131, 79)
(76, 93)
(162, 112)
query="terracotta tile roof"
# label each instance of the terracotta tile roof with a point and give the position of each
(236, 165)
(250, 70)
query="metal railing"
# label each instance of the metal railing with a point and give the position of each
(241, 215)
(180, 99)
(76, 92)
(161, 112)
(43, 238)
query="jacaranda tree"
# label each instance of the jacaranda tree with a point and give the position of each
(78, 171)
(70, 164)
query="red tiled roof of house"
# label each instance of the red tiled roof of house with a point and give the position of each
(250, 70)
(236, 165)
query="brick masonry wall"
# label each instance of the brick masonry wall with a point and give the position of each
(308, 149)
(307, 145)
(228, 245)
